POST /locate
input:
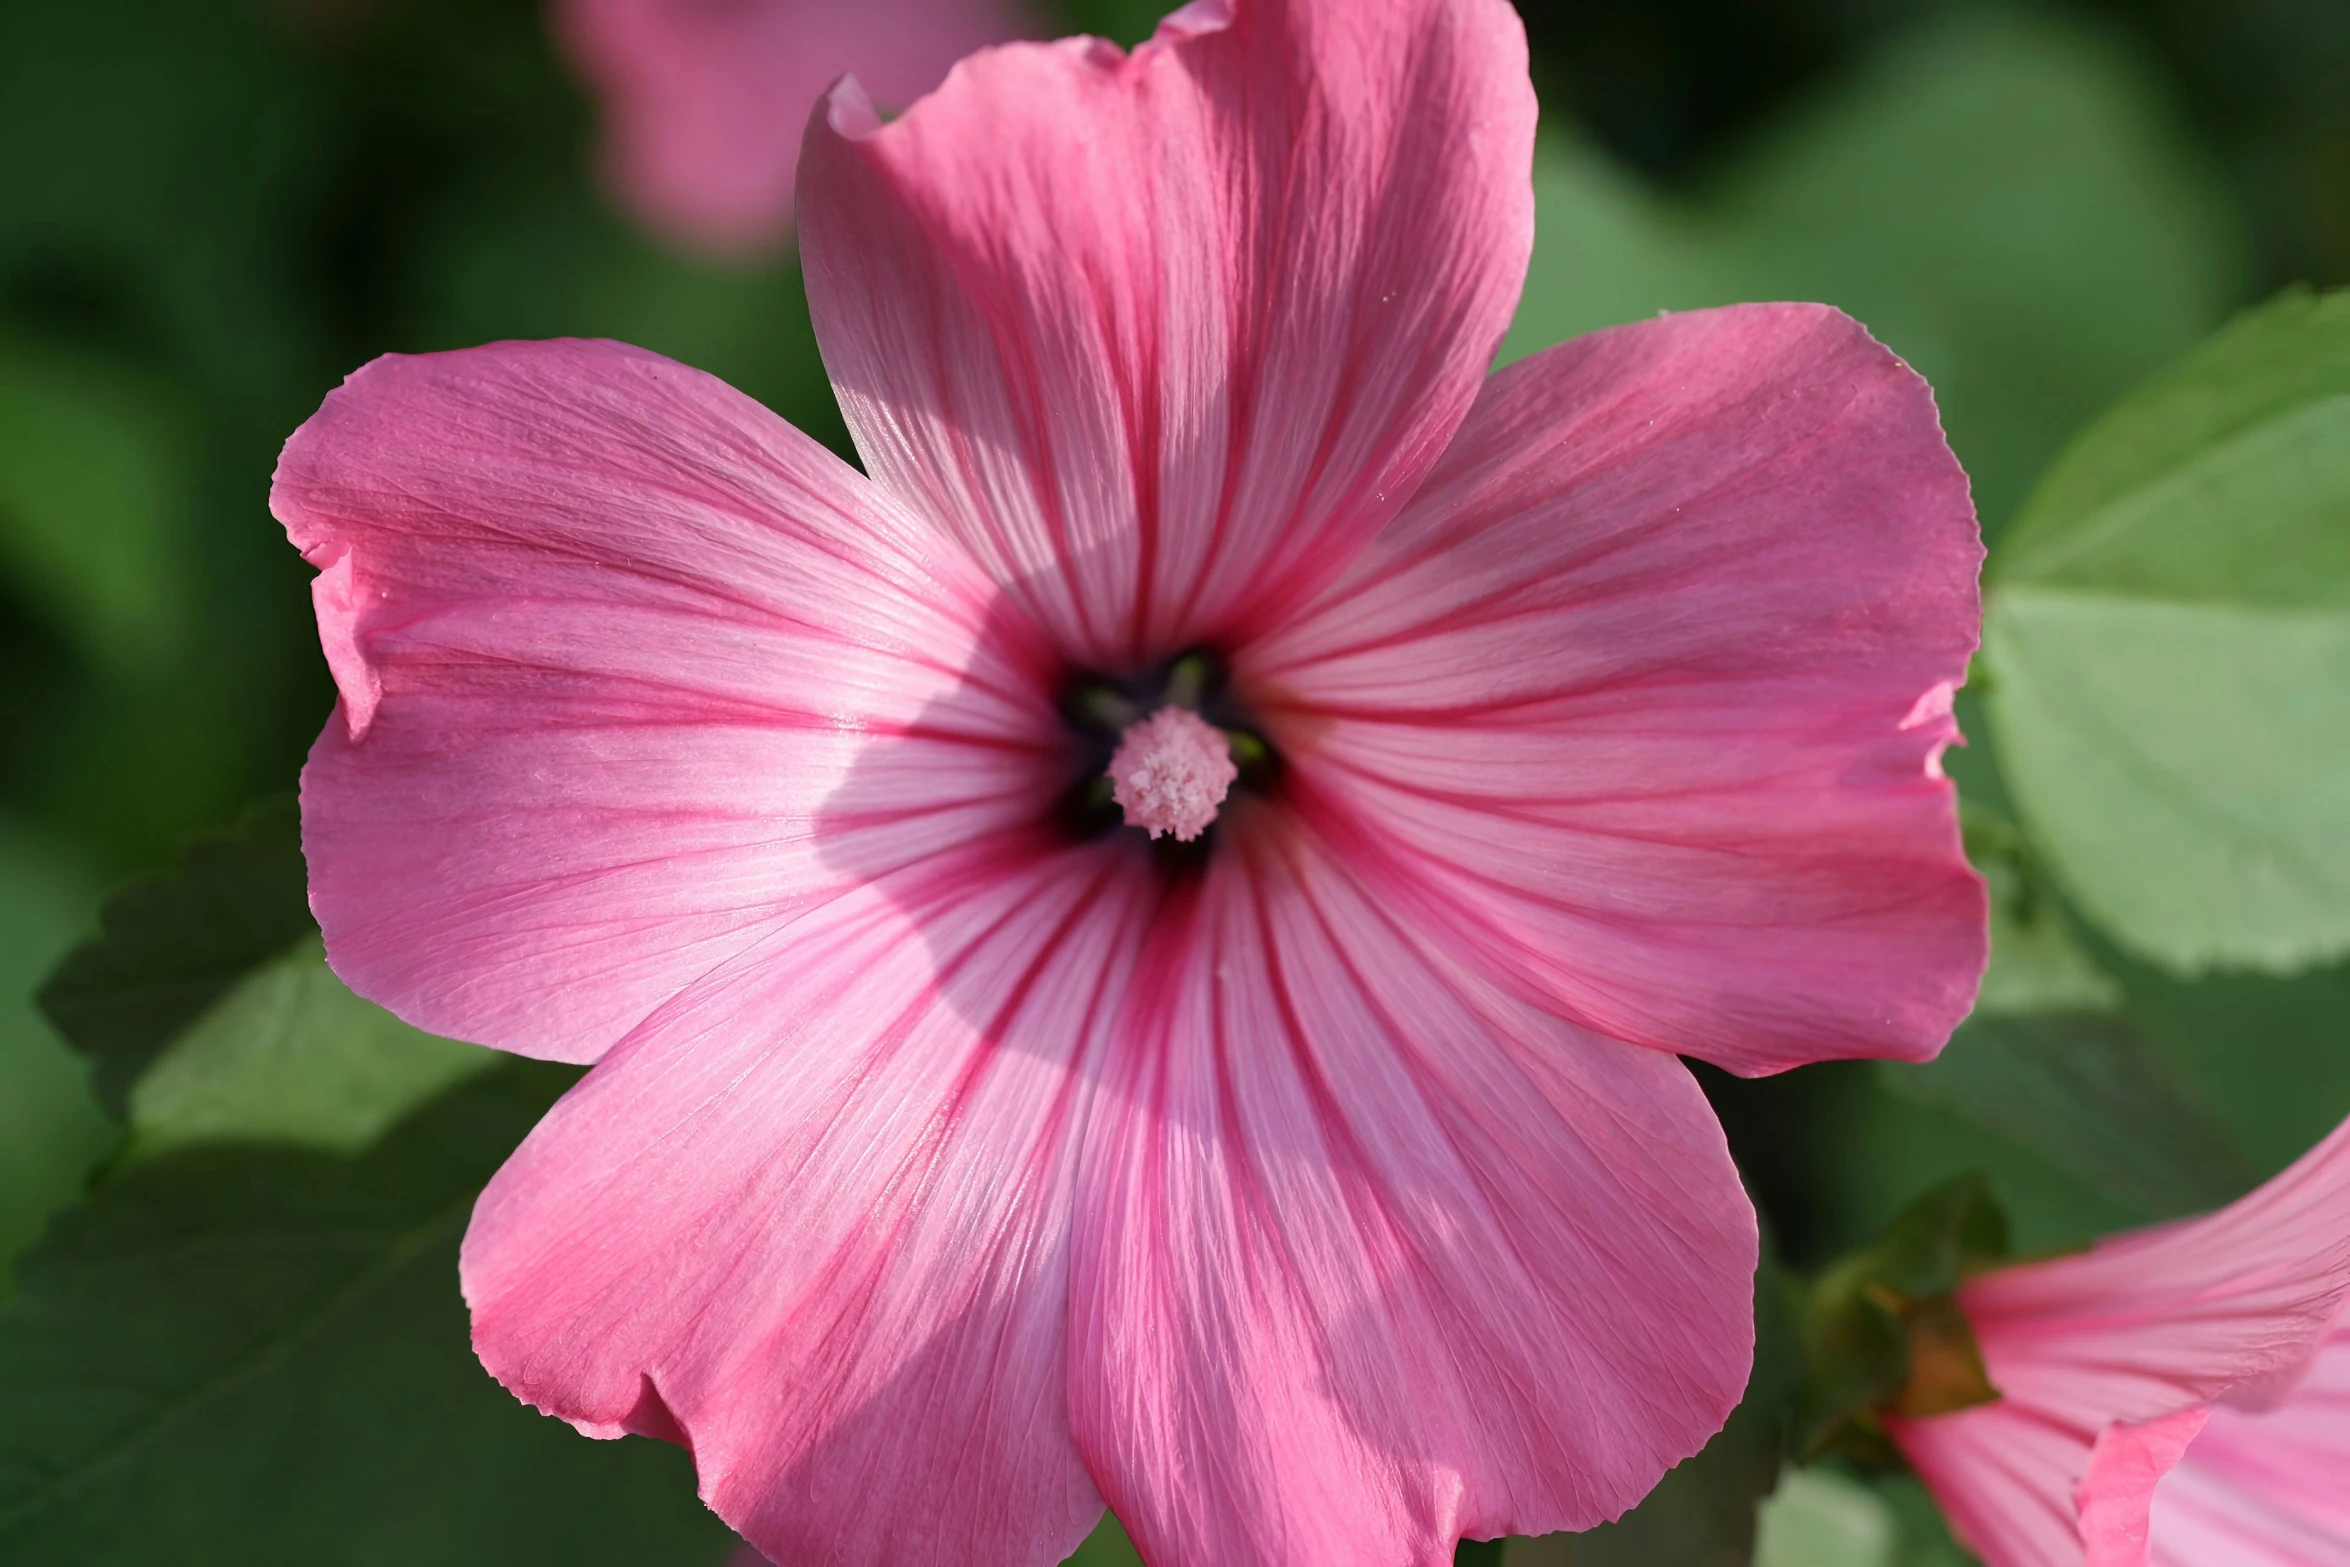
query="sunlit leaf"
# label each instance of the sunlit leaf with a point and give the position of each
(2168, 634)
(1818, 1518)
(292, 1056)
(258, 1355)
(173, 945)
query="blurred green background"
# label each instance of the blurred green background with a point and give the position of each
(212, 210)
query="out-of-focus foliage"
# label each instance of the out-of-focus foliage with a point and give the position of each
(92, 489)
(2009, 205)
(2049, 1061)
(2168, 635)
(1818, 1518)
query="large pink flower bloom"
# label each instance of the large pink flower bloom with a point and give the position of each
(1315, 1182)
(704, 100)
(2177, 1388)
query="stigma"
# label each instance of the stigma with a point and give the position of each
(1171, 772)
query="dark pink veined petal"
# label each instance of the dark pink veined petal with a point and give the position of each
(2108, 1361)
(1645, 695)
(812, 1219)
(704, 101)
(610, 639)
(2266, 1486)
(1165, 338)
(1371, 1256)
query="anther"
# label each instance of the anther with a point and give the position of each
(1170, 773)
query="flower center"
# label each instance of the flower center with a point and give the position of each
(1171, 771)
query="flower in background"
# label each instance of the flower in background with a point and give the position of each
(1141, 953)
(2183, 1390)
(704, 101)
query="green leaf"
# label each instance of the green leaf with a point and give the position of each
(1123, 22)
(2049, 1062)
(51, 1129)
(2087, 1093)
(2037, 964)
(1923, 1534)
(1819, 1518)
(90, 480)
(173, 945)
(2168, 634)
(290, 1055)
(258, 1354)
(1107, 1546)
(1702, 1514)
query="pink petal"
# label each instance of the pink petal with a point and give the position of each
(2267, 1487)
(2107, 1359)
(610, 637)
(2179, 1314)
(1645, 694)
(704, 102)
(1165, 338)
(812, 1219)
(2005, 1480)
(1371, 1255)
(2128, 1461)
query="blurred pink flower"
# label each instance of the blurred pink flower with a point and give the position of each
(959, 1157)
(704, 101)
(2175, 1387)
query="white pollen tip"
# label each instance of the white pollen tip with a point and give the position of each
(1170, 773)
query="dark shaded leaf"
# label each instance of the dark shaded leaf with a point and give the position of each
(173, 944)
(290, 1055)
(2087, 1093)
(240, 1355)
(51, 1130)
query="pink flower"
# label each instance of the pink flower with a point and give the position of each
(704, 100)
(958, 1157)
(2177, 1387)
